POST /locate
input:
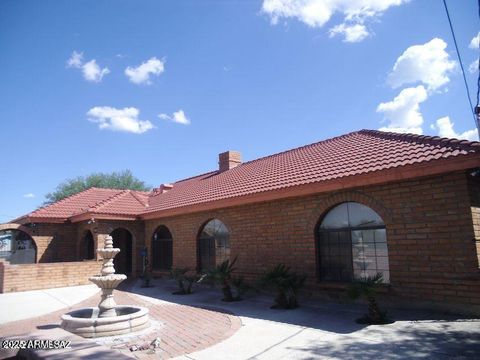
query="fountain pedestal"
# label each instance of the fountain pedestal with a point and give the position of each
(108, 319)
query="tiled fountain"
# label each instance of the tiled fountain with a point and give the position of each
(108, 319)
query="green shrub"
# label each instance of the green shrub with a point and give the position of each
(366, 287)
(184, 280)
(286, 283)
(222, 275)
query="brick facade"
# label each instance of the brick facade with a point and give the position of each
(431, 230)
(432, 223)
(47, 275)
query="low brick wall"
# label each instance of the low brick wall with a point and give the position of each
(46, 275)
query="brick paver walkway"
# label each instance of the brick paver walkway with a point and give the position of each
(183, 330)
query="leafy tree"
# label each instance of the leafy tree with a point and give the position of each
(115, 180)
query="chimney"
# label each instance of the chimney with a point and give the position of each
(165, 187)
(228, 160)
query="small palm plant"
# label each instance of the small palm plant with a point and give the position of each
(222, 275)
(184, 280)
(286, 283)
(366, 287)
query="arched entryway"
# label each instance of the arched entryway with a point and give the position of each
(122, 239)
(162, 249)
(17, 247)
(213, 244)
(87, 246)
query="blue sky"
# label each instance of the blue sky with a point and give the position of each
(162, 87)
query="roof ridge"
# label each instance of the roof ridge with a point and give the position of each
(135, 195)
(104, 202)
(425, 139)
(271, 155)
(301, 147)
(62, 200)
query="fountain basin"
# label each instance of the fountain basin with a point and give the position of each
(86, 323)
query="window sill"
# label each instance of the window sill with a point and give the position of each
(330, 285)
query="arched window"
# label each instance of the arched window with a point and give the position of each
(352, 243)
(87, 247)
(17, 247)
(162, 249)
(213, 244)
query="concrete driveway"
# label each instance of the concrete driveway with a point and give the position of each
(317, 330)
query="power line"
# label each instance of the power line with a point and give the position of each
(475, 119)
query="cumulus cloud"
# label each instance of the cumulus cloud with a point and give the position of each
(403, 112)
(429, 64)
(178, 117)
(473, 67)
(474, 43)
(29, 195)
(125, 119)
(352, 33)
(75, 60)
(445, 129)
(141, 74)
(316, 13)
(91, 70)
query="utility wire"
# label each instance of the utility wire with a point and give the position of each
(475, 119)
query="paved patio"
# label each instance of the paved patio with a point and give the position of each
(201, 326)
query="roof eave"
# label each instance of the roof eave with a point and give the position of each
(89, 215)
(433, 167)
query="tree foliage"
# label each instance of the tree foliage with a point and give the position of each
(115, 180)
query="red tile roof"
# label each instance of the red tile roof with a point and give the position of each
(95, 200)
(351, 155)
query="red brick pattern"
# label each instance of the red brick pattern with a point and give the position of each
(48, 275)
(184, 329)
(430, 233)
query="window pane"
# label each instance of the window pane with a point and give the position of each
(336, 218)
(361, 215)
(380, 235)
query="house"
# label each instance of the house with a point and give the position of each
(404, 205)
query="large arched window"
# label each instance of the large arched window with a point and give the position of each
(213, 244)
(162, 249)
(17, 247)
(352, 244)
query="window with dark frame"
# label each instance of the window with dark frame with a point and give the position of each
(213, 244)
(162, 249)
(352, 244)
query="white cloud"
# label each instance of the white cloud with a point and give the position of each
(403, 112)
(445, 129)
(428, 63)
(125, 119)
(141, 74)
(75, 60)
(316, 13)
(29, 195)
(178, 117)
(91, 70)
(473, 67)
(352, 33)
(474, 43)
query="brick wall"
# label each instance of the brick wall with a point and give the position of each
(430, 233)
(45, 275)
